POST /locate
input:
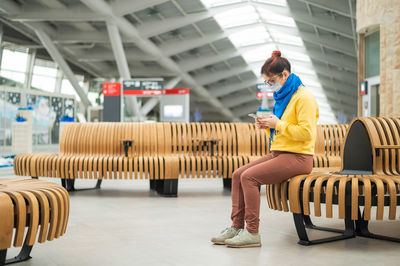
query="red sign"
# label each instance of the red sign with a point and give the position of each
(111, 89)
(176, 91)
(143, 92)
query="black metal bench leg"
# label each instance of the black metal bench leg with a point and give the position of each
(63, 183)
(302, 221)
(363, 231)
(167, 187)
(303, 237)
(98, 183)
(35, 177)
(227, 183)
(3, 254)
(309, 225)
(69, 185)
(153, 184)
(23, 255)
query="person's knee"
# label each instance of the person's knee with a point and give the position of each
(236, 174)
(246, 177)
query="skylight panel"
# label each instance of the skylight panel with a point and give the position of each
(259, 53)
(301, 69)
(270, 16)
(272, 2)
(309, 82)
(295, 55)
(237, 17)
(288, 39)
(214, 3)
(266, 31)
(250, 36)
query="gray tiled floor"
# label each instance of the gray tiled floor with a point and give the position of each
(125, 224)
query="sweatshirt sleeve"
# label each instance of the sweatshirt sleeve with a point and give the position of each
(307, 115)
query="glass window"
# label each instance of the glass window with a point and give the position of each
(66, 88)
(13, 65)
(44, 75)
(372, 58)
(44, 83)
(14, 60)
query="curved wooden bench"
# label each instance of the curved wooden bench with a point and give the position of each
(160, 152)
(328, 146)
(30, 203)
(369, 178)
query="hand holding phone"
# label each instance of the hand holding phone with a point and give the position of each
(256, 116)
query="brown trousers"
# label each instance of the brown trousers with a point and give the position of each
(270, 169)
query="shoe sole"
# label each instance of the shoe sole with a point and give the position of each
(244, 246)
(218, 243)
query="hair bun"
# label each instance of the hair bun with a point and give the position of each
(276, 53)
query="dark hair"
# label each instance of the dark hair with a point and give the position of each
(275, 64)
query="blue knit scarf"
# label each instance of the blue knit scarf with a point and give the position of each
(282, 99)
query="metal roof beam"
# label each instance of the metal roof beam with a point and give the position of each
(339, 7)
(176, 47)
(251, 107)
(337, 26)
(139, 71)
(236, 100)
(337, 85)
(214, 76)
(221, 91)
(98, 55)
(58, 58)
(343, 76)
(150, 29)
(72, 14)
(202, 61)
(125, 7)
(343, 45)
(74, 36)
(126, 28)
(349, 64)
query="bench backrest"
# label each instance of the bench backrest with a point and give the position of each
(330, 139)
(151, 139)
(372, 146)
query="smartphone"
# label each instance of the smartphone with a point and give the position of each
(256, 116)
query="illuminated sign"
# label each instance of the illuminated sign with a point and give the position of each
(147, 87)
(111, 89)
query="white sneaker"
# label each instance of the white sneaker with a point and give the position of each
(244, 239)
(227, 233)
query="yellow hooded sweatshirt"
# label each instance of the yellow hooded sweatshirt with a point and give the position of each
(296, 130)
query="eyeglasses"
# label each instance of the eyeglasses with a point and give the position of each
(272, 80)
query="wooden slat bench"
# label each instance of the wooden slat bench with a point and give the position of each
(328, 146)
(30, 203)
(369, 178)
(160, 152)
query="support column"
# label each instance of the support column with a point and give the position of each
(28, 76)
(149, 105)
(57, 57)
(59, 78)
(172, 83)
(122, 64)
(1, 43)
